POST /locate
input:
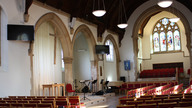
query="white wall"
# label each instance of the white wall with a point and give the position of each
(15, 69)
(81, 59)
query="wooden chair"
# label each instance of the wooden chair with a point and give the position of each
(28, 99)
(30, 96)
(52, 99)
(40, 96)
(153, 105)
(74, 101)
(171, 100)
(147, 96)
(185, 104)
(60, 103)
(21, 97)
(153, 101)
(39, 99)
(22, 101)
(162, 98)
(34, 101)
(5, 105)
(49, 101)
(61, 97)
(2, 101)
(47, 105)
(7, 99)
(123, 101)
(143, 99)
(11, 101)
(31, 105)
(16, 105)
(17, 99)
(186, 99)
(134, 103)
(12, 96)
(167, 105)
(125, 106)
(188, 96)
(172, 97)
(176, 94)
(51, 96)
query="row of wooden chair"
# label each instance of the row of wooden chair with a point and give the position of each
(179, 100)
(71, 101)
(134, 85)
(160, 105)
(182, 97)
(26, 105)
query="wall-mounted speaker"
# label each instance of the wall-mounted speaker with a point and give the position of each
(72, 22)
(122, 78)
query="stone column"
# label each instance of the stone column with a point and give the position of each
(94, 72)
(68, 70)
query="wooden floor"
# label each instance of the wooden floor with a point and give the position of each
(111, 102)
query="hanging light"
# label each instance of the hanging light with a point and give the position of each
(122, 22)
(99, 12)
(165, 3)
(122, 26)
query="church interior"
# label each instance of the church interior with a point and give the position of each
(83, 53)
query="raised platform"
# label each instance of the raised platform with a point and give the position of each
(157, 79)
(94, 99)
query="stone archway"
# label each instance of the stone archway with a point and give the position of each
(91, 44)
(110, 37)
(153, 11)
(65, 43)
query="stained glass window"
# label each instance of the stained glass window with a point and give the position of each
(166, 36)
(109, 57)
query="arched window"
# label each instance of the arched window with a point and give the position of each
(109, 57)
(166, 36)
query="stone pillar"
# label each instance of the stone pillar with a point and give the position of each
(94, 72)
(68, 70)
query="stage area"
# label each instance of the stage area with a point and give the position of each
(94, 99)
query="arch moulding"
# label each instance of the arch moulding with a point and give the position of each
(151, 12)
(64, 37)
(91, 44)
(110, 37)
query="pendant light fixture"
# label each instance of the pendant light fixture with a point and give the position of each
(122, 18)
(98, 8)
(165, 3)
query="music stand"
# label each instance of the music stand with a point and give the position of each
(93, 85)
(106, 83)
(85, 90)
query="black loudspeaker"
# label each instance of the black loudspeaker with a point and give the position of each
(122, 78)
(99, 92)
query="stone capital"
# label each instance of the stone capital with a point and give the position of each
(68, 60)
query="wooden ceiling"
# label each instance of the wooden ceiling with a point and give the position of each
(83, 9)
